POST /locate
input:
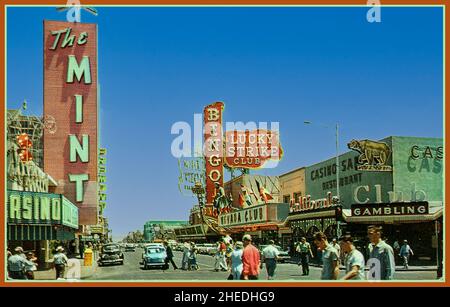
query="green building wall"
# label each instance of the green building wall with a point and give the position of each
(418, 166)
(425, 173)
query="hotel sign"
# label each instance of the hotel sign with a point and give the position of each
(71, 104)
(390, 209)
(252, 215)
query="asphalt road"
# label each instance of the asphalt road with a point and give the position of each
(133, 271)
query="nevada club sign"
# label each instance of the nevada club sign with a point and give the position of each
(70, 102)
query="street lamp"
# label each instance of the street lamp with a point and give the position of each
(338, 230)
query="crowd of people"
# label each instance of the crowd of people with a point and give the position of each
(22, 265)
(244, 261)
(380, 259)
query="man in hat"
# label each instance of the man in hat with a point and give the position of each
(405, 253)
(250, 259)
(60, 261)
(16, 264)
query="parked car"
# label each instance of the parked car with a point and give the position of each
(282, 257)
(110, 254)
(155, 256)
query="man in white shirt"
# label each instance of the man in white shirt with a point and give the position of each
(270, 254)
(354, 260)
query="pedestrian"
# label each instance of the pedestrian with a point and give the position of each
(81, 247)
(380, 254)
(60, 261)
(236, 261)
(330, 257)
(185, 259)
(354, 260)
(304, 250)
(30, 265)
(250, 259)
(193, 257)
(405, 253)
(169, 257)
(228, 252)
(16, 264)
(336, 245)
(270, 255)
(221, 257)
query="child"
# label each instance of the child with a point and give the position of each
(193, 257)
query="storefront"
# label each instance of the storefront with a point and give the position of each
(262, 222)
(396, 182)
(37, 221)
(412, 221)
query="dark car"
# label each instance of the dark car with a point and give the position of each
(282, 256)
(110, 254)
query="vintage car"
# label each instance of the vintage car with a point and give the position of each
(154, 256)
(282, 256)
(130, 247)
(110, 254)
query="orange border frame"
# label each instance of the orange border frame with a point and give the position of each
(209, 283)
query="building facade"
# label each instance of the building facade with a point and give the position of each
(404, 193)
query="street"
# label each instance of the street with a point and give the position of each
(133, 271)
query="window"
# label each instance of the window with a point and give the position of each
(286, 199)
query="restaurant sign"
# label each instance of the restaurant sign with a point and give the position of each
(41, 208)
(390, 209)
(252, 215)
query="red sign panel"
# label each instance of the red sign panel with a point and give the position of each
(70, 113)
(252, 149)
(213, 148)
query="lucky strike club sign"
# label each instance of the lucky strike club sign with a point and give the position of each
(240, 149)
(70, 109)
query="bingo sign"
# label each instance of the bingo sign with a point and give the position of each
(213, 148)
(71, 101)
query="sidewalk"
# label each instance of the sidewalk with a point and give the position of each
(86, 271)
(398, 268)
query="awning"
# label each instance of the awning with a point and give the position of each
(39, 233)
(434, 214)
(311, 215)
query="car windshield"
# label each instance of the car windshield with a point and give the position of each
(154, 250)
(110, 247)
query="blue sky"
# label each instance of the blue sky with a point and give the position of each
(158, 66)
